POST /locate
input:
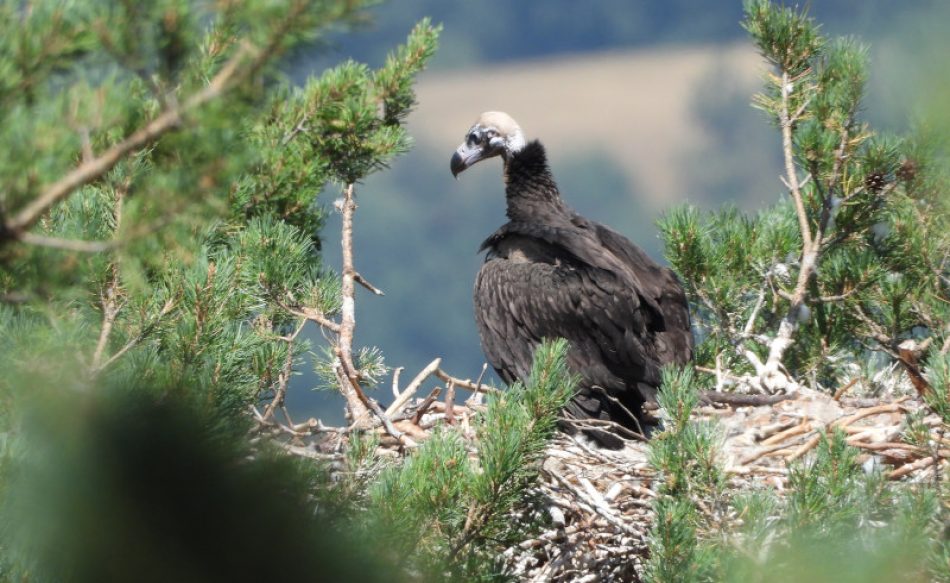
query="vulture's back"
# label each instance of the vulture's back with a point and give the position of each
(623, 315)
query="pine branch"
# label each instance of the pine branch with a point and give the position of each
(110, 309)
(312, 314)
(143, 333)
(66, 244)
(87, 172)
(786, 121)
(283, 378)
(356, 402)
(109, 301)
(772, 378)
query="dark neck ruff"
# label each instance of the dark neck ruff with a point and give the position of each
(529, 186)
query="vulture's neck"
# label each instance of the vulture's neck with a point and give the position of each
(529, 185)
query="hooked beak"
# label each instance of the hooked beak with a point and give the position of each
(464, 157)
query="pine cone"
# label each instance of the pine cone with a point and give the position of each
(908, 170)
(875, 181)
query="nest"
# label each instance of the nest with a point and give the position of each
(600, 501)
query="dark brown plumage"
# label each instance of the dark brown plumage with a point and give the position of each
(549, 272)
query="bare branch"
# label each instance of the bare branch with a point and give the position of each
(109, 297)
(356, 402)
(283, 378)
(363, 282)
(839, 297)
(759, 302)
(396, 372)
(771, 375)
(67, 244)
(110, 309)
(465, 384)
(791, 174)
(300, 127)
(145, 331)
(739, 400)
(411, 389)
(312, 314)
(450, 404)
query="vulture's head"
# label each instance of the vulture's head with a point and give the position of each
(494, 134)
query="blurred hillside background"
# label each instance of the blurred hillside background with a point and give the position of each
(641, 105)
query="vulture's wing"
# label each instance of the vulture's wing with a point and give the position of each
(569, 287)
(674, 336)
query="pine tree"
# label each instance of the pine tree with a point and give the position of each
(851, 262)
(159, 258)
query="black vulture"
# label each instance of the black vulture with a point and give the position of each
(549, 272)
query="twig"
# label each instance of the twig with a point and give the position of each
(283, 378)
(804, 427)
(762, 452)
(740, 400)
(840, 297)
(301, 126)
(363, 282)
(884, 445)
(109, 299)
(844, 389)
(894, 407)
(424, 406)
(396, 372)
(759, 302)
(143, 332)
(911, 467)
(465, 384)
(403, 397)
(110, 309)
(616, 402)
(481, 375)
(450, 403)
(598, 507)
(67, 244)
(804, 449)
(786, 122)
(767, 431)
(314, 315)
(615, 428)
(345, 377)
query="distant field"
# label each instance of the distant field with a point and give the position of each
(635, 105)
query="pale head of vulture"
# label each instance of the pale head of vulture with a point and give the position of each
(494, 134)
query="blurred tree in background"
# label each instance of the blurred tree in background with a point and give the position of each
(159, 259)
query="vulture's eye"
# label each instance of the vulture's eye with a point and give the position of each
(473, 138)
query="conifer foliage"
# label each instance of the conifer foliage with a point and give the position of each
(851, 261)
(159, 259)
